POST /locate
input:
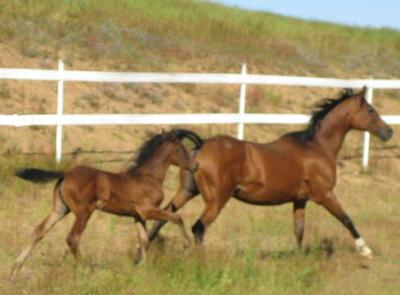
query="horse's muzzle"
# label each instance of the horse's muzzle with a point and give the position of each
(384, 133)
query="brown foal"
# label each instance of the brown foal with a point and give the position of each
(298, 167)
(136, 192)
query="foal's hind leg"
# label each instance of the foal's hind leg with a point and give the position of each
(299, 214)
(79, 226)
(58, 211)
(187, 191)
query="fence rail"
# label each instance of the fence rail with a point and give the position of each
(59, 119)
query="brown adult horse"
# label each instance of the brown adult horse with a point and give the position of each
(136, 192)
(298, 167)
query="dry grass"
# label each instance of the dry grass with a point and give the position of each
(247, 248)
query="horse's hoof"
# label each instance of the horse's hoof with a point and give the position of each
(367, 253)
(363, 249)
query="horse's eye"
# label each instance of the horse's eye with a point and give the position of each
(371, 111)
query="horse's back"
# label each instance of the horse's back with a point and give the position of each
(221, 151)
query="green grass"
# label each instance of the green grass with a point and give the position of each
(248, 248)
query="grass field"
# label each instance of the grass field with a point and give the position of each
(248, 250)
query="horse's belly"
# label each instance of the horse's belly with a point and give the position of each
(257, 194)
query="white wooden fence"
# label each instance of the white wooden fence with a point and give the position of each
(59, 119)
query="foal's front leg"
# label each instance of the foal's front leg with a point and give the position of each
(299, 216)
(143, 239)
(331, 203)
(156, 213)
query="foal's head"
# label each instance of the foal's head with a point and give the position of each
(167, 147)
(179, 156)
(366, 118)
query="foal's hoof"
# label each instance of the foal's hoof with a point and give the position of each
(187, 244)
(13, 279)
(139, 258)
(13, 274)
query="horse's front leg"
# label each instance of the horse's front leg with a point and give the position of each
(331, 203)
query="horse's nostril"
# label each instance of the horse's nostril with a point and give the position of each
(387, 134)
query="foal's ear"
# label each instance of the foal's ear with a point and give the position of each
(174, 134)
(363, 91)
(362, 94)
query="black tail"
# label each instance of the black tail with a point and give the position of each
(38, 175)
(196, 139)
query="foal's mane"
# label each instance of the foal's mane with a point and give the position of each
(321, 110)
(151, 145)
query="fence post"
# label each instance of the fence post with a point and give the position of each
(365, 155)
(60, 110)
(242, 103)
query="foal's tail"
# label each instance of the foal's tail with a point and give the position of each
(196, 139)
(38, 175)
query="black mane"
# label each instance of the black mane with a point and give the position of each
(321, 110)
(150, 146)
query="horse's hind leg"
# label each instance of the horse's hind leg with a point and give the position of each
(187, 191)
(210, 213)
(215, 198)
(58, 211)
(299, 214)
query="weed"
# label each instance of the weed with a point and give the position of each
(111, 91)
(91, 99)
(4, 90)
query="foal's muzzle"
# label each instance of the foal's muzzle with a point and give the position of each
(193, 167)
(384, 133)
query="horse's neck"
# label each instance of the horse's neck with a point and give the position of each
(156, 166)
(332, 132)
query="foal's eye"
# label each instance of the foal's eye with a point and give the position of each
(370, 110)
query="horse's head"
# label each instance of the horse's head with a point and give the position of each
(179, 155)
(366, 118)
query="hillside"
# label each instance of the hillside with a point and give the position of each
(170, 35)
